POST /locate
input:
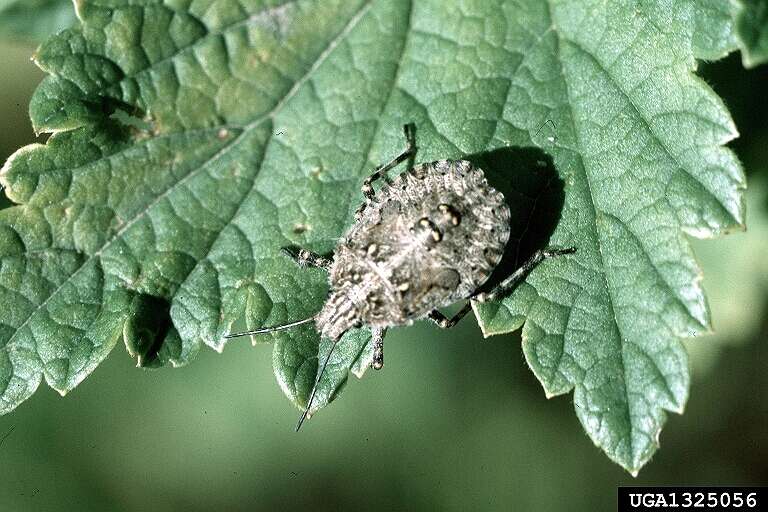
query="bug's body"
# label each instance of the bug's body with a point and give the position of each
(427, 240)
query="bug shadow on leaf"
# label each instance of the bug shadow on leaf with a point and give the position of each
(149, 334)
(535, 195)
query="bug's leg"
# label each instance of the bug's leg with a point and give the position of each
(305, 258)
(381, 172)
(513, 280)
(377, 337)
(446, 323)
(410, 149)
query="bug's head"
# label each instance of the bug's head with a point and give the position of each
(337, 317)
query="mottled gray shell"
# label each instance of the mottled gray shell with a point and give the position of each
(426, 240)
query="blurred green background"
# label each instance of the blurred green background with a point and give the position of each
(454, 422)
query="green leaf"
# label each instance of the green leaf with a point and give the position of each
(192, 140)
(751, 20)
(710, 25)
(637, 146)
(34, 20)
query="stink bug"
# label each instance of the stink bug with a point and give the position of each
(428, 238)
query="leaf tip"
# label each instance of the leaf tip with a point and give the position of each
(480, 322)
(217, 344)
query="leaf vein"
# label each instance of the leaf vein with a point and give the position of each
(223, 151)
(572, 116)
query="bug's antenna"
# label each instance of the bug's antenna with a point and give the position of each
(270, 329)
(314, 388)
